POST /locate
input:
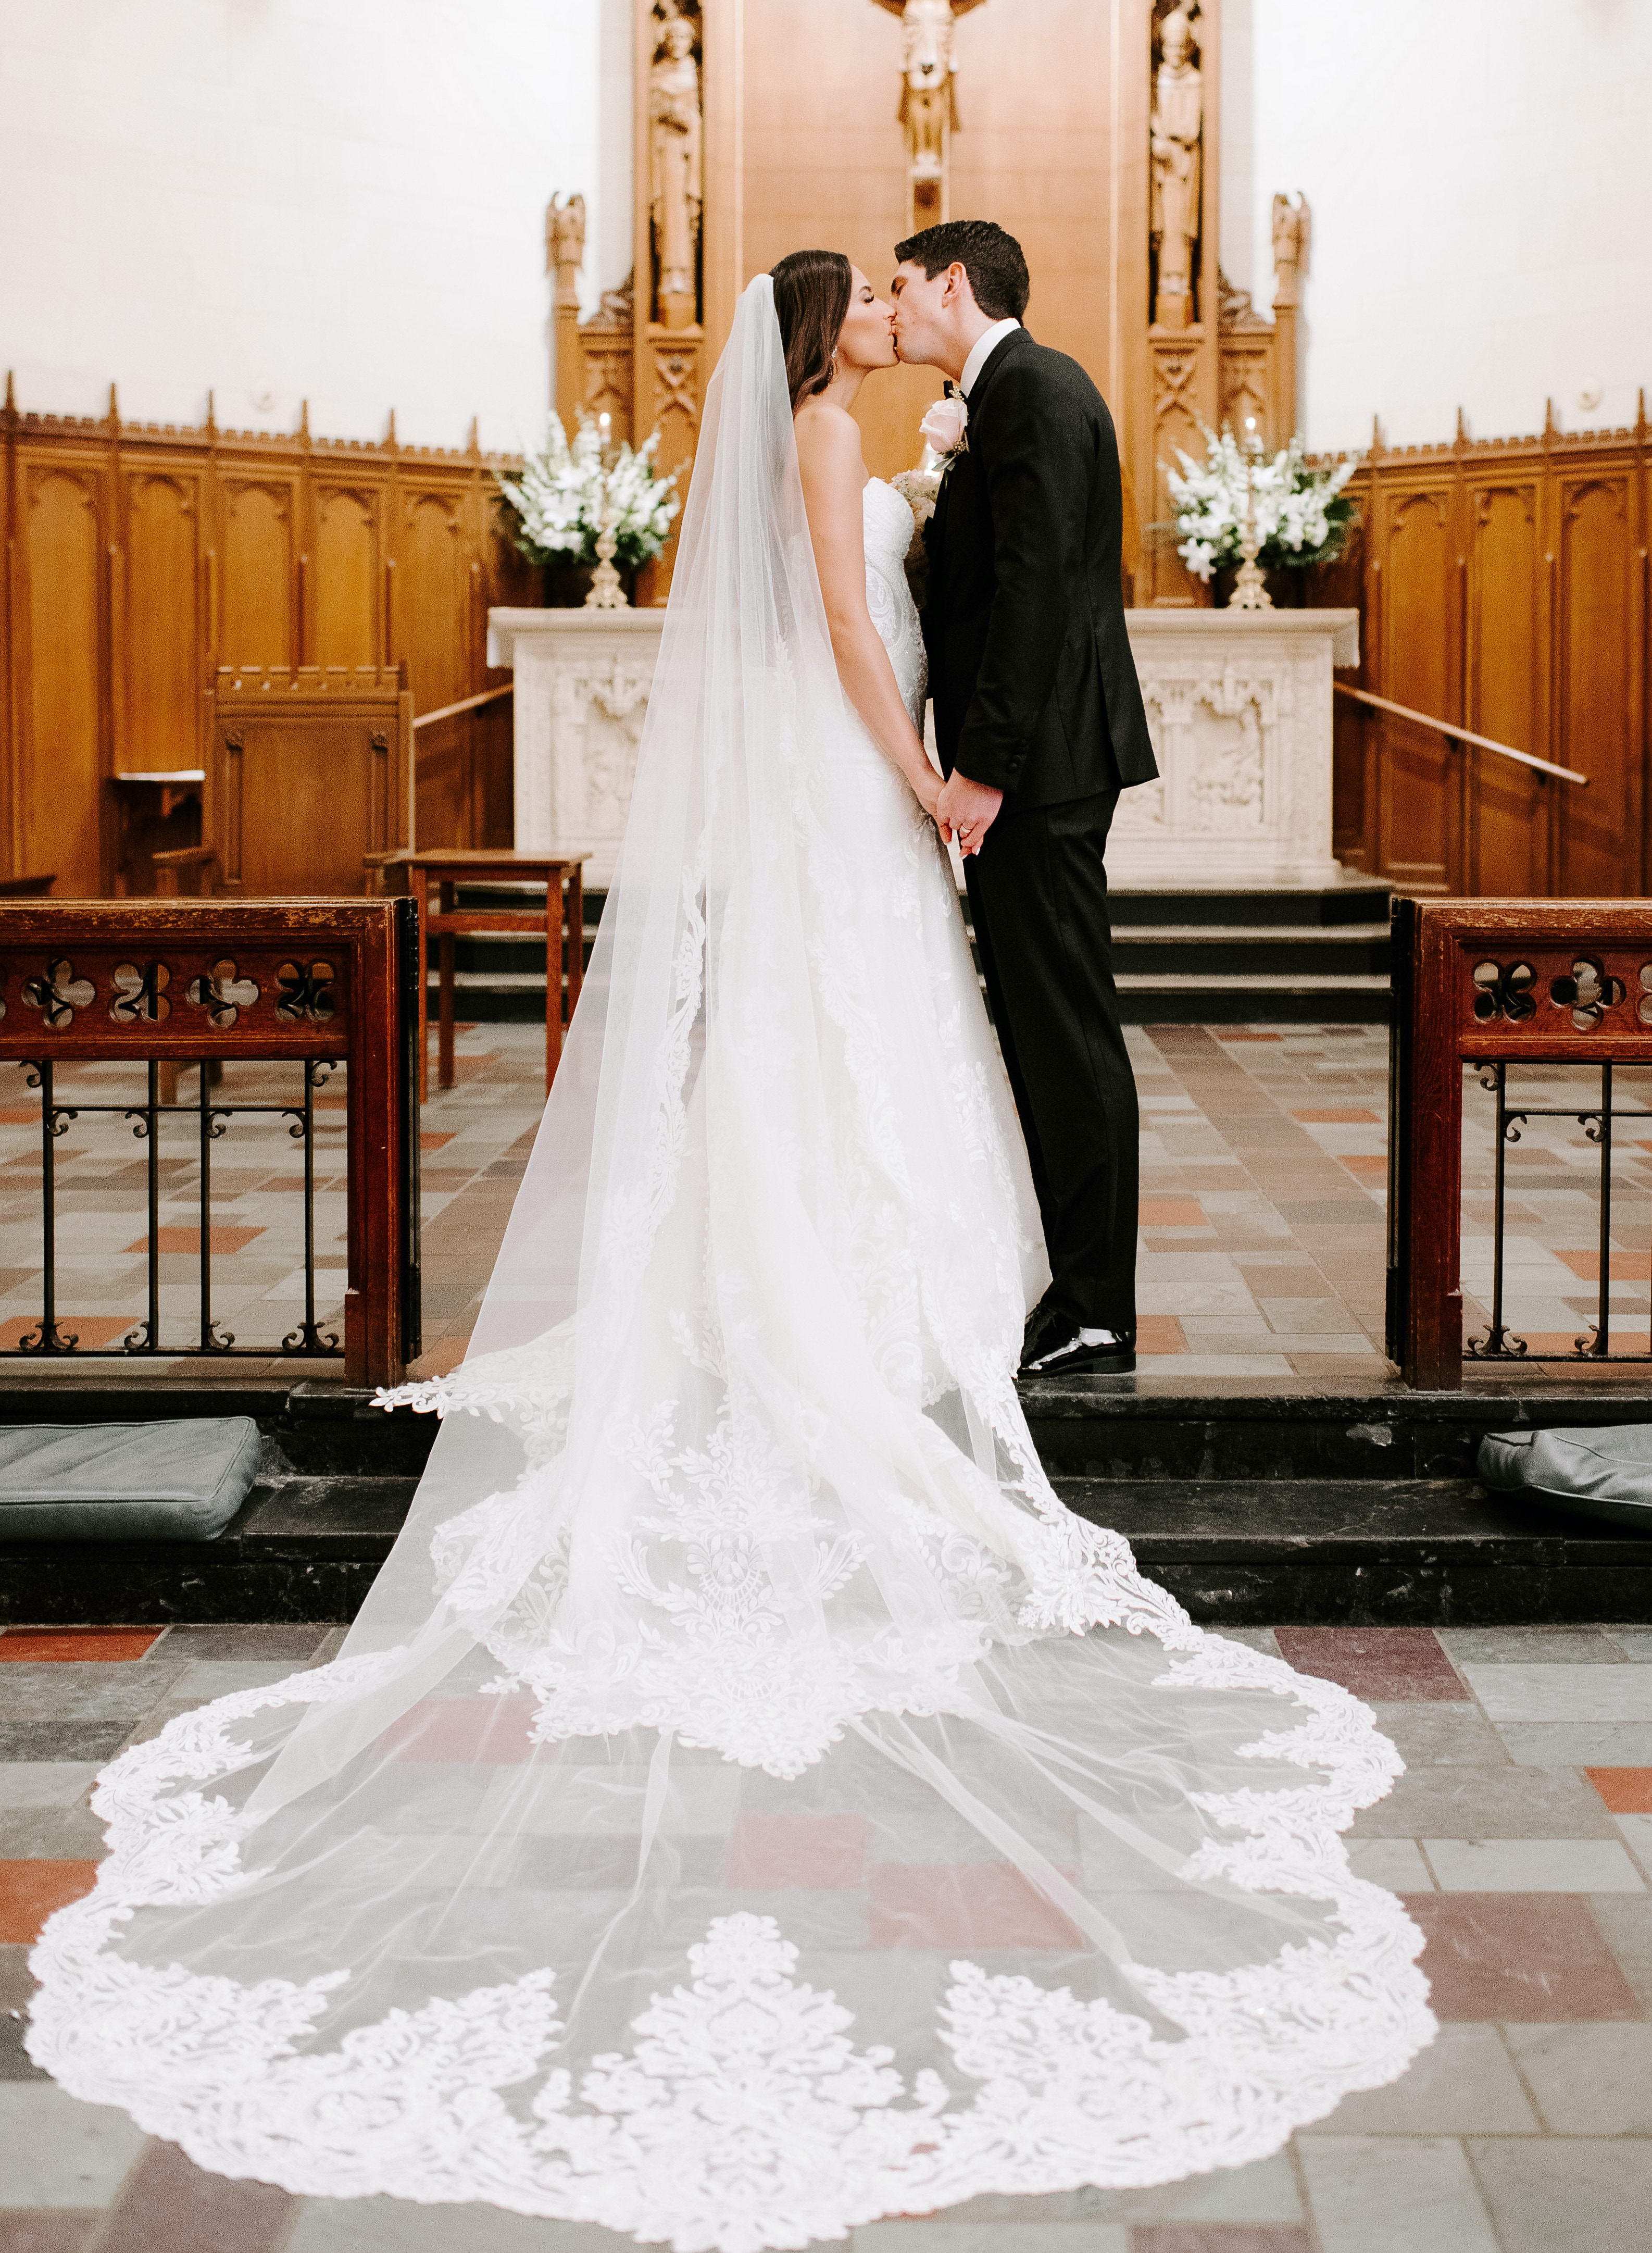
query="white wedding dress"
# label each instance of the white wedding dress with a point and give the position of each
(749, 1803)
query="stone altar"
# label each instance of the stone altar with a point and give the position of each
(1239, 704)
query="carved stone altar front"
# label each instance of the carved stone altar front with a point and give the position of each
(1239, 707)
(582, 678)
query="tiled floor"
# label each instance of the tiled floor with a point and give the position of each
(1264, 1183)
(1521, 1836)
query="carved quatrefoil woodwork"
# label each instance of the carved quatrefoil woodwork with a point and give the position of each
(1582, 987)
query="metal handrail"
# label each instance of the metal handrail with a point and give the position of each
(465, 704)
(1464, 735)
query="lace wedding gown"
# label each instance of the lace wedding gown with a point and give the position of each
(775, 1810)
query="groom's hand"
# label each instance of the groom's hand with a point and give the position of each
(966, 810)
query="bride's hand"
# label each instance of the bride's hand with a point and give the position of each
(928, 790)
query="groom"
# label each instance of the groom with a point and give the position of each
(1039, 720)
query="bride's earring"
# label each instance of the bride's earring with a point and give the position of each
(832, 371)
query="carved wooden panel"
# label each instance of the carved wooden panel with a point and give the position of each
(257, 614)
(306, 775)
(161, 624)
(430, 630)
(1522, 616)
(1182, 375)
(1419, 779)
(58, 823)
(346, 580)
(142, 558)
(1509, 806)
(1600, 828)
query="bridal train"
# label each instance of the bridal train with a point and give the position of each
(750, 1803)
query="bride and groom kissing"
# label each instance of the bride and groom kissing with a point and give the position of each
(739, 1677)
(1038, 712)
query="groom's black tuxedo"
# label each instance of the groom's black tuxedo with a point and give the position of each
(1034, 688)
(1035, 693)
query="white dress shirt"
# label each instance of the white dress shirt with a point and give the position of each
(981, 351)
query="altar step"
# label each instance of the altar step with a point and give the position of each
(1313, 955)
(1210, 955)
(1252, 1510)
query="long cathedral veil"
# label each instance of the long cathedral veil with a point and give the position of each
(747, 1803)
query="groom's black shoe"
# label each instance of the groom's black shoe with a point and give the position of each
(1057, 1345)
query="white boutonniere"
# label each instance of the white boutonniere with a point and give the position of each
(946, 427)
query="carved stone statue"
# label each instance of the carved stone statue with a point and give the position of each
(1177, 135)
(929, 101)
(676, 168)
(927, 97)
(1293, 226)
(565, 245)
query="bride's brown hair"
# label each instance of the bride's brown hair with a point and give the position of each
(811, 298)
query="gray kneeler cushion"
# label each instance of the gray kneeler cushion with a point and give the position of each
(182, 1480)
(1600, 1470)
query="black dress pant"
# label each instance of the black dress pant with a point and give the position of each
(1038, 894)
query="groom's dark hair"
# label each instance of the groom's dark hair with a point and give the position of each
(993, 260)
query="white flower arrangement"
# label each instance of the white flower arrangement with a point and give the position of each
(558, 501)
(1301, 515)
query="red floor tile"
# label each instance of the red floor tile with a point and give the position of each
(1626, 1790)
(80, 1643)
(1366, 1167)
(1319, 1114)
(463, 1729)
(1220, 2237)
(31, 1891)
(1627, 1266)
(1537, 1958)
(1222, 1034)
(225, 1238)
(1560, 1345)
(1374, 1662)
(434, 1141)
(90, 1329)
(1171, 1212)
(172, 2206)
(1159, 1334)
(825, 1852)
(963, 1905)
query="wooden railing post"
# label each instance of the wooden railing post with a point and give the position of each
(1425, 1290)
(1493, 982)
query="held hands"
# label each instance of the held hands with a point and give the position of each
(966, 810)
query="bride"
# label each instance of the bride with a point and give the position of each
(750, 1803)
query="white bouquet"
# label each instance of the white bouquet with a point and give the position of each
(557, 503)
(1301, 515)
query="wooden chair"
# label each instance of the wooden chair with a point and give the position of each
(561, 919)
(308, 772)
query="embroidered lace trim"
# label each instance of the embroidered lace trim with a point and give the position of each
(742, 2116)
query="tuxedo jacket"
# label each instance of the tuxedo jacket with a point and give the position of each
(1035, 687)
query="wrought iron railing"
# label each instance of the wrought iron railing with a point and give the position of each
(164, 985)
(1500, 1343)
(1489, 983)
